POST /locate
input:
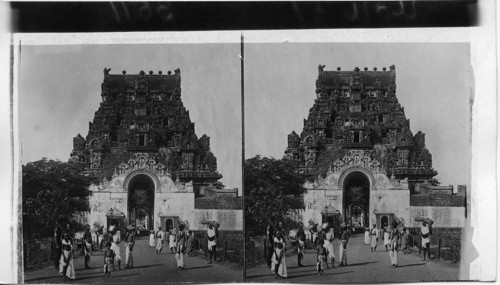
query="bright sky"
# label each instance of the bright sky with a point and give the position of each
(60, 87)
(434, 85)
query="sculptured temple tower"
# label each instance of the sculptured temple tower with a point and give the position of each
(148, 163)
(357, 141)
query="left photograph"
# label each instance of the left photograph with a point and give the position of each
(131, 163)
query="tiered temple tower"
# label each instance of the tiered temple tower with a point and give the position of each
(141, 116)
(359, 110)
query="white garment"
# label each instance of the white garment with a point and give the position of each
(211, 243)
(425, 230)
(367, 237)
(70, 271)
(282, 271)
(328, 243)
(152, 240)
(393, 255)
(114, 245)
(179, 256)
(160, 236)
(386, 237)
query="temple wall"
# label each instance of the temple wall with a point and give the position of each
(229, 220)
(443, 217)
(315, 201)
(172, 199)
(390, 201)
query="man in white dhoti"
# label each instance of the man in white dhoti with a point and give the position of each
(278, 265)
(426, 232)
(66, 265)
(160, 236)
(212, 234)
(374, 234)
(87, 245)
(328, 239)
(394, 244)
(115, 241)
(181, 247)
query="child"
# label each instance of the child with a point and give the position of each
(321, 257)
(108, 259)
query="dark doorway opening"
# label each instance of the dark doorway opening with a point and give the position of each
(356, 202)
(141, 197)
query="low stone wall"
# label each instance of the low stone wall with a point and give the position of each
(36, 252)
(451, 242)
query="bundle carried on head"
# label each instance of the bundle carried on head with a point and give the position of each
(424, 219)
(210, 222)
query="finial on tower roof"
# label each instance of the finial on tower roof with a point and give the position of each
(356, 69)
(374, 69)
(384, 69)
(177, 71)
(169, 72)
(338, 68)
(392, 67)
(142, 72)
(366, 68)
(160, 72)
(150, 72)
(124, 72)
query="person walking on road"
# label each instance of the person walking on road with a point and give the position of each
(343, 240)
(67, 267)
(321, 257)
(129, 246)
(180, 247)
(212, 235)
(387, 235)
(394, 244)
(115, 241)
(279, 261)
(152, 238)
(108, 258)
(87, 245)
(328, 236)
(160, 236)
(301, 242)
(426, 232)
(367, 235)
(374, 234)
(172, 242)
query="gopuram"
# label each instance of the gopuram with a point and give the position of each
(148, 164)
(369, 167)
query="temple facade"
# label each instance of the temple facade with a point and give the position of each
(357, 144)
(148, 164)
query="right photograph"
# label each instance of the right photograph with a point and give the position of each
(357, 162)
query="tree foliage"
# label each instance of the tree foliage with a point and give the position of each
(272, 191)
(53, 192)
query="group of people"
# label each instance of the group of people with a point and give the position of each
(181, 241)
(396, 239)
(323, 242)
(395, 236)
(64, 243)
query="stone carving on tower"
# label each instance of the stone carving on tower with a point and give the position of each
(357, 112)
(141, 123)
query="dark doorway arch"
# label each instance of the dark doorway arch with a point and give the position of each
(141, 198)
(356, 199)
